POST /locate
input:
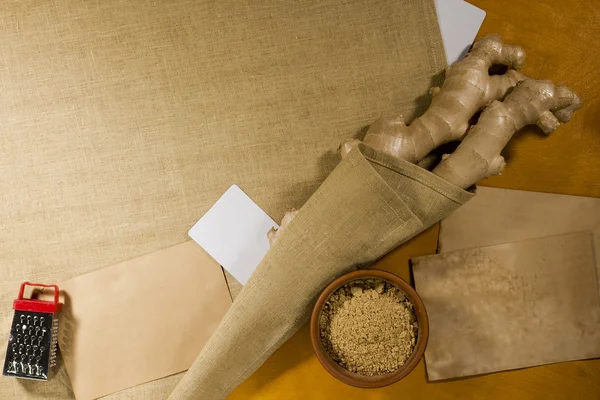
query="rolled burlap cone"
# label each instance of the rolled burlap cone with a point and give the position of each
(369, 205)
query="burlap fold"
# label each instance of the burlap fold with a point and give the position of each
(369, 205)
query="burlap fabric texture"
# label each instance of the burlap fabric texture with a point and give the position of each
(124, 121)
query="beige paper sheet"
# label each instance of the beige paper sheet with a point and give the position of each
(498, 216)
(140, 320)
(510, 306)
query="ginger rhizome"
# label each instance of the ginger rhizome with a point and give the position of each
(531, 102)
(467, 88)
(509, 102)
(273, 233)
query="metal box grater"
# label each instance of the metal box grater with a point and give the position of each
(31, 351)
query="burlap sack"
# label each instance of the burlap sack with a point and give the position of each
(367, 206)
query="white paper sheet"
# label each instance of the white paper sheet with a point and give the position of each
(459, 23)
(234, 233)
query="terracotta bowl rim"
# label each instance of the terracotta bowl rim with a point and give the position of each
(355, 379)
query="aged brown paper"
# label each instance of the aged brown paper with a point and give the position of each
(510, 306)
(141, 319)
(498, 216)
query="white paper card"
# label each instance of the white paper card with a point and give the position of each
(459, 23)
(234, 233)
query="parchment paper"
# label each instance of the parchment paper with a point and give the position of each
(510, 306)
(140, 320)
(498, 216)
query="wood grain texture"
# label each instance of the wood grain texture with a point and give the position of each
(561, 40)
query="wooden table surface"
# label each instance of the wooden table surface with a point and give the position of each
(562, 41)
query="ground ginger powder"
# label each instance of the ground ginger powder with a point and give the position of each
(369, 327)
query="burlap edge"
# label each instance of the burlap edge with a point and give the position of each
(445, 188)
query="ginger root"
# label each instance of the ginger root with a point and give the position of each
(531, 102)
(273, 233)
(467, 88)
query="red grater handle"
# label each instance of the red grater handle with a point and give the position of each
(37, 305)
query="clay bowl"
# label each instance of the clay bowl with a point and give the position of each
(355, 379)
